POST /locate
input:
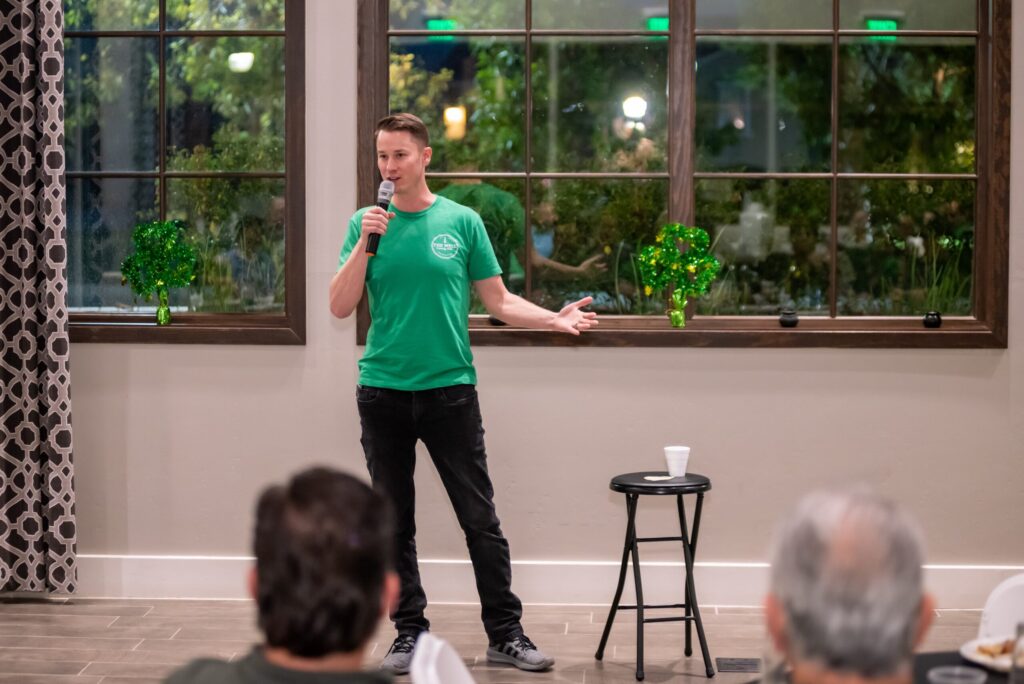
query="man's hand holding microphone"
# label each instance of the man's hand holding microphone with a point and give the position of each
(375, 220)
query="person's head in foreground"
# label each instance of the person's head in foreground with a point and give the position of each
(323, 579)
(846, 601)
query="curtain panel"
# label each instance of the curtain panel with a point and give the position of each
(37, 501)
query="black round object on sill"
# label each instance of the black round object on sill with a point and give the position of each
(788, 318)
(932, 319)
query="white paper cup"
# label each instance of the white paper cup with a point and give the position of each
(676, 458)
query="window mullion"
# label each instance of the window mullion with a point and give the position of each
(833, 278)
(682, 80)
(161, 153)
(982, 95)
(528, 150)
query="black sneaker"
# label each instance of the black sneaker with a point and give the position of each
(399, 656)
(521, 652)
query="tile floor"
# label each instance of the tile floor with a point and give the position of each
(96, 641)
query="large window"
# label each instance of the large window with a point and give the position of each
(187, 110)
(849, 159)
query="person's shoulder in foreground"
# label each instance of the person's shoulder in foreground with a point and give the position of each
(323, 580)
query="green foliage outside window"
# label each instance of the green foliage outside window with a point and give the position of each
(222, 119)
(764, 105)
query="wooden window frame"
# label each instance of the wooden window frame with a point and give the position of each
(286, 328)
(987, 328)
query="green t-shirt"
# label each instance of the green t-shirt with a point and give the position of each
(254, 669)
(418, 289)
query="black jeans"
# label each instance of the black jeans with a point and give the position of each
(448, 421)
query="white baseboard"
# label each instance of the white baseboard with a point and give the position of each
(451, 581)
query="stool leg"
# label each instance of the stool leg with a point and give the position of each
(691, 592)
(630, 535)
(639, 604)
(688, 644)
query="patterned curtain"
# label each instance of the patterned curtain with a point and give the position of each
(37, 501)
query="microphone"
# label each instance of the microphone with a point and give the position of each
(384, 194)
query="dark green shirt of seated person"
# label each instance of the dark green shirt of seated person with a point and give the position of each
(323, 579)
(504, 221)
(256, 669)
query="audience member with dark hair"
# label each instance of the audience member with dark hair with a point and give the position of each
(323, 579)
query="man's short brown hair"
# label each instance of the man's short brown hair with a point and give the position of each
(409, 123)
(323, 544)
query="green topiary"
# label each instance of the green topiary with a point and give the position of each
(163, 259)
(678, 261)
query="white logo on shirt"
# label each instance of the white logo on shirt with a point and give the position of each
(444, 246)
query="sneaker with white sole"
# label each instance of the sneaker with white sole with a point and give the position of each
(399, 656)
(521, 652)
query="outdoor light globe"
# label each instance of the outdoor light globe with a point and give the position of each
(634, 107)
(240, 62)
(455, 122)
(454, 115)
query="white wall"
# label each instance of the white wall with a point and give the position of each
(172, 443)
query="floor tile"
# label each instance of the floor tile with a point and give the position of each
(139, 642)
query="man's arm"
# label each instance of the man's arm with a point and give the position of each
(515, 310)
(591, 264)
(347, 284)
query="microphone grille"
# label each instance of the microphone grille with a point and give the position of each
(386, 190)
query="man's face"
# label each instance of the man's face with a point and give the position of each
(401, 159)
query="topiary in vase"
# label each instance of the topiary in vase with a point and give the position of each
(163, 259)
(680, 263)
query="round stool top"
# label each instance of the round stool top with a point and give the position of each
(636, 483)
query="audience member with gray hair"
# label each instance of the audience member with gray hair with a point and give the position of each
(847, 602)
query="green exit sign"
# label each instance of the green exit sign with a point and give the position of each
(438, 24)
(882, 24)
(657, 23)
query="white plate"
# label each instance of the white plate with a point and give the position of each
(970, 652)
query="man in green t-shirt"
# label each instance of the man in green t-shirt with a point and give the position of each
(324, 547)
(417, 381)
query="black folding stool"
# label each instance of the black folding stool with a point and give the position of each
(634, 485)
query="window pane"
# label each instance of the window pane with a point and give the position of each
(917, 15)
(225, 104)
(763, 104)
(225, 15)
(600, 14)
(600, 104)
(773, 240)
(905, 247)
(111, 15)
(500, 204)
(907, 106)
(450, 15)
(238, 227)
(470, 93)
(102, 212)
(758, 14)
(586, 235)
(111, 92)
